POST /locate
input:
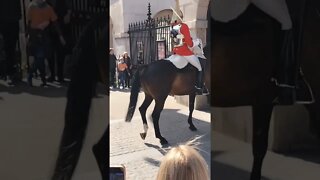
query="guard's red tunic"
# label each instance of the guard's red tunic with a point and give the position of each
(187, 42)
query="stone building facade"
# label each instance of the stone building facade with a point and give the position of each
(124, 12)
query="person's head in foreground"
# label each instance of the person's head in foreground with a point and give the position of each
(183, 162)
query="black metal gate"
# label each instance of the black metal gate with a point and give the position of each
(150, 39)
(83, 11)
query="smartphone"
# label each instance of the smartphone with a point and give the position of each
(117, 172)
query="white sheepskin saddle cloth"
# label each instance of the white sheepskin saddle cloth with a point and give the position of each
(197, 49)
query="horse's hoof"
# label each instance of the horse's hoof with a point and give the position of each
(143, 135)
(193, 128)
(163, 141)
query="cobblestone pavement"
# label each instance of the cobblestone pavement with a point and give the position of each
(142, 157)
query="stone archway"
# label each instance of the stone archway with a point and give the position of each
(163, 13)
(195, 15)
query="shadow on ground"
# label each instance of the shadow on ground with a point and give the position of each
(220, 171)
(310, 155)
(53, 90)
(175, 128)
(236, 154)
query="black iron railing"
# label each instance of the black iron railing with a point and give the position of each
(83, 11)
(150, 39)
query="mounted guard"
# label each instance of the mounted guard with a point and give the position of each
(186, 49)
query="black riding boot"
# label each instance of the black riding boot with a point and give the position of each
(304, 93)
(199, 83)
(285, 74)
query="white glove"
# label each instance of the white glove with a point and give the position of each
(196, 42)
(180, 36)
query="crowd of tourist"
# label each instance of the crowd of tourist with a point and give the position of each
(120, 70)
(47, 39)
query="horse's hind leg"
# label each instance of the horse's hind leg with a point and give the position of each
(261, 120)
(155, 117)
(143, 109)
(99, 151)
(192, 98)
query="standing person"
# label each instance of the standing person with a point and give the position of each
(127, 60)
(10, 14)
(122, 68)
(112, 68)
(40, 15)
(63, 10)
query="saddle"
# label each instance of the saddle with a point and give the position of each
(189, 68)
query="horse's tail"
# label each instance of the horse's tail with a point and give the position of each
(135, 89)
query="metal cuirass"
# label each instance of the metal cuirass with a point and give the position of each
(177, 37)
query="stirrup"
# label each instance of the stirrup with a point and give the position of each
(198, 90)
(304, 94)
(205, 91)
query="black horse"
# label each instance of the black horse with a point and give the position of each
(245, 55)
(90, 62)
(158, 80)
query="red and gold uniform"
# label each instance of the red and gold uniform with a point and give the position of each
(184, 50)
(182, 54)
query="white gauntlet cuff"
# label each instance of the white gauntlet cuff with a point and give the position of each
(180, 36)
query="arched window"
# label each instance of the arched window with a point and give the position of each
(163, 13)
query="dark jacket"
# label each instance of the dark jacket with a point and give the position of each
(128, 62)
(112, 62)
(61, 7)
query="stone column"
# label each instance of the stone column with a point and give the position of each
(22, 35)
(121, 43)
(110, 33)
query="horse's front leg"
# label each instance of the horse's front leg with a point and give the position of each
(261, 121)
(155, 117)
(143, 109)
(192, 98)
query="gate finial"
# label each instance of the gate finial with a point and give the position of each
(149, 12)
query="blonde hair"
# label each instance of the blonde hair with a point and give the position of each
(183, 162)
